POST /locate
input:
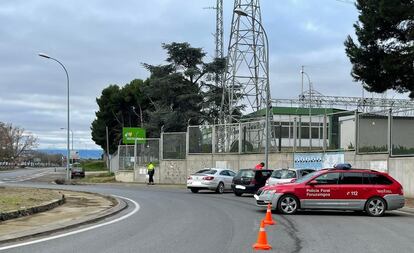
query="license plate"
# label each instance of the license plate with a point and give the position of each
(196, 183)
(256, 197)
(240, 187)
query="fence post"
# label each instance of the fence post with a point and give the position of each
(356, 132)
(300, 131)
(295, 132)
(213, 139)
(389, 141)
(187, 141)
(119, 156)
(240, 139)
(161, 145)
(324, 133)
(135, 158)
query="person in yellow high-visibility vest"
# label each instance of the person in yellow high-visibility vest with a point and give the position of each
(151, 170)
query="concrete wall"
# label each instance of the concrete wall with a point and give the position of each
(177, 171)
(402, 169)
(125, 176)
(172, 172)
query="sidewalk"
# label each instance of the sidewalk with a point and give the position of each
(80, 208)
(409, 205)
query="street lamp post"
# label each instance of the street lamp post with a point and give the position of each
(68, 110)
(64, 128)
(242, 12)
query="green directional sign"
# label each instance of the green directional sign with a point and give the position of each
(130, 134)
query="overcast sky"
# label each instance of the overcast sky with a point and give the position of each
(103, 42)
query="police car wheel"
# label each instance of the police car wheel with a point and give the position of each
(238, 194)
(288, 204)
(375, 207)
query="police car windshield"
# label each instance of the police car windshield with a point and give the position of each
(307, 177)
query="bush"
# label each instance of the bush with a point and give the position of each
(94, 165)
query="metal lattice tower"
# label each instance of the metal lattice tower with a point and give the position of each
(218, 37)
(219, 30)
(245, 78)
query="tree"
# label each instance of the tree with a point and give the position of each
(176, 93)
(118, 108)
(177, 90)
(383, 58)
(14, 142)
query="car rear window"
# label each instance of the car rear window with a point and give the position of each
(377, 179)
(283, 174)
(246, 173)
(209, 172)
(202, 171)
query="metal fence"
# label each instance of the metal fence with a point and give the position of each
(374, 132)
(226, 138)
(386, 131)
(147, 150)
(173, 145)
(126, 157)
(200, 139)
(402, 133)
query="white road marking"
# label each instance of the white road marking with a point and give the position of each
(136, 209)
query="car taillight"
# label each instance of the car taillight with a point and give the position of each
(208, 178)
(189, 178)
(401, 191)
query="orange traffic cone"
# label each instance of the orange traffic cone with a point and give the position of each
(262, 239)
(268, 219)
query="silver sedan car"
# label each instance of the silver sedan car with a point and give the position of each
(213, 179)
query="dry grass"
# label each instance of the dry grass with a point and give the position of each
(101, 178)
(12, 198)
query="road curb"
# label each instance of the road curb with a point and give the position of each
(32, 210)
(407, 210)
(120, 206)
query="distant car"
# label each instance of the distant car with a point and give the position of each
(214, 179)
(77, 172)
(340, 188)
(281, 176)
(249, 180)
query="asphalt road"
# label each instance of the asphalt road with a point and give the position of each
(176, 220)
(26, 174)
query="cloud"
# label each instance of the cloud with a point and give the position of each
(104, 42)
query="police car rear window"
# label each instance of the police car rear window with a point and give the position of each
(376, 179)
